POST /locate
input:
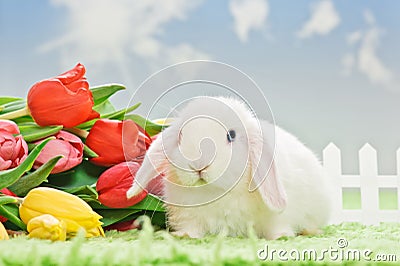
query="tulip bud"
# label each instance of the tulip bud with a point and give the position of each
(66, 144)
(63, 100)
(13, 149)
(3, 233)
(115, 182)
(117, 141)
(48, 227)
(66, 207)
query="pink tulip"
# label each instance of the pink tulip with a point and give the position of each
(13, 149)
(66, 144)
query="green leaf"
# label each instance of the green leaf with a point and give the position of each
(121, 113)
(112, 216)
(103, 92)
(85, 173)
(10, 176)
(11, 212)
(32, 132)
(23, 119)
(13, 106)
(156, 218)
(86, 191)
(118, 115)
(34, 179)
(151, 128)
(5, 100)
(150, 203)
(89, 198)
(88, 152)
(150, 206)
(104, 108)
(87, 125)
(7, 200)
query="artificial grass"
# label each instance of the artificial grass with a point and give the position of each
(146, 247)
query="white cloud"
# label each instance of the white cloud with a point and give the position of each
(102, 31)
(324, 18)
(248, 15)
(369, 17)
(354, 37)
(366, 58)
(348, 61)
(183, 52)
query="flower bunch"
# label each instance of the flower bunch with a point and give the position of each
(67, 158)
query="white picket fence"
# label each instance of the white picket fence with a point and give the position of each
(369, 183)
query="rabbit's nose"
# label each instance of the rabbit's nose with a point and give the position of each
(207, 156)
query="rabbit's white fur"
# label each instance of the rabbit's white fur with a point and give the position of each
(294, 198)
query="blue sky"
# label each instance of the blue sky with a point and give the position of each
(330, 69)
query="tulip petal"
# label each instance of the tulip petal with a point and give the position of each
(4, 164)
(93, 115)
(71, 138)
(72, 75)
(9, 126)
(22, 152)
(116, 174)
(3, 233)
(77, 85)
(156, 186)
(8, 146)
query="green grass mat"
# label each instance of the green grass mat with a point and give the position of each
(160, 248)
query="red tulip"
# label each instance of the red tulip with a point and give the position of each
(123, 226)
(115, 182)
(63, 100)
(13, 149)
(117, 141)
(156, 185)
(66, 144)
(8, 192)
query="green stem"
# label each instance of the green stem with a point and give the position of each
(77, 131)
(15, 114)
(13, 218)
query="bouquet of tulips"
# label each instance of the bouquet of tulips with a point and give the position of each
(67, 158)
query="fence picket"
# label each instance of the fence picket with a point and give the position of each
(369, 183)
(398, 180)
(333, 165)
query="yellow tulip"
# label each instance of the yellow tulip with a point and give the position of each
(46, 226)
(66, 207)
(163, 121)
(3, 232)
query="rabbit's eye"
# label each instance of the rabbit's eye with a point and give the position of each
(231, 135)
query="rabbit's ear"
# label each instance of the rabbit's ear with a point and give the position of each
(155, 163)
(265, 177)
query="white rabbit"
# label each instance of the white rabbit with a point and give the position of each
(241, 178)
